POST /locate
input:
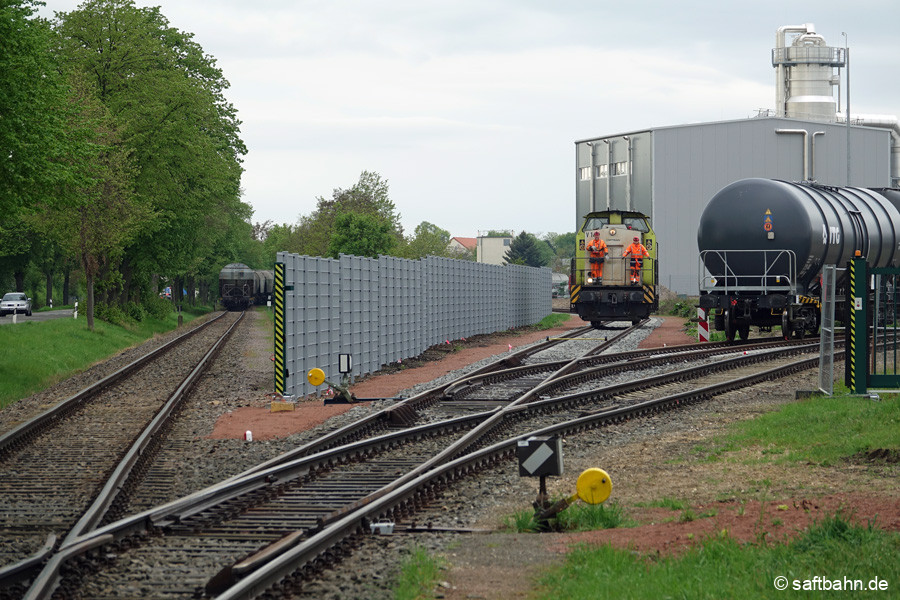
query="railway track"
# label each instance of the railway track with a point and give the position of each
(67, 470)
(301, 507)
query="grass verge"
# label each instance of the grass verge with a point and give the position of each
(720, 567)
(419, 574)
(39, 354)
(552, 320)
(578, 517)
(823, 430)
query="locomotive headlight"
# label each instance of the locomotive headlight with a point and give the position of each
(590, 280)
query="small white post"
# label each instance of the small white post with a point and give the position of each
(75, 312)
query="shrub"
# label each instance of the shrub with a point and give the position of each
(134, 311)
(110, 313)
(684, 308)
(158, 308)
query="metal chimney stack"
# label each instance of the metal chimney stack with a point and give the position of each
(804, 74)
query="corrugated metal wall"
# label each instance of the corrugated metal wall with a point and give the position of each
(387, 309)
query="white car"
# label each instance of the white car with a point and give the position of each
(15, 302)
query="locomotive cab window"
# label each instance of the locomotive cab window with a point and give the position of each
(595, 223)
(636, 224)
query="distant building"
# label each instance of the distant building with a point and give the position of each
(463, 245)
(492, 248)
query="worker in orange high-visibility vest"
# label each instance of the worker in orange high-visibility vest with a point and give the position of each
(597, 250)
(637, 252)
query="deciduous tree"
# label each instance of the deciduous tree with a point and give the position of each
(368, 196)
(361, 235)
(428, 240)
(32, 116)
(166, 98)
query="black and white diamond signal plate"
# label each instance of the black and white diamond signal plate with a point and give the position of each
(540, 456)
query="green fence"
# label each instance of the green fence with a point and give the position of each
(873, 337)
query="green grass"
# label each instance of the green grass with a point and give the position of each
(823, 430)
(552, 320)
(520, 522)
(578, 517)
(721, 567)
(665, 502)
(589, 517)
(38, 354)
(419, 574)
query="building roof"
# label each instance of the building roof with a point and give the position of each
(466, 242)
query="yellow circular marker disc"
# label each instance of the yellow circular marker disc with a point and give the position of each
(594, 486)
(316, 376)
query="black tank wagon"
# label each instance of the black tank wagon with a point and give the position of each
(763, 244)
(240, 286)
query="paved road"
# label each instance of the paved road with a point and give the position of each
(38, 316)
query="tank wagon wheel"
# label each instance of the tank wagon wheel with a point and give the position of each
(786, 324)
(814, 328)
(730, 326)
(744, 331)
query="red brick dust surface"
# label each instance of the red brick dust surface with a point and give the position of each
(265, 424)
(667, 531)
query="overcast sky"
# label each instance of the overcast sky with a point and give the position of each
(470, 108)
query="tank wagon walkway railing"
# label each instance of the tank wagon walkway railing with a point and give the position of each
(763, 271)
(386, 309)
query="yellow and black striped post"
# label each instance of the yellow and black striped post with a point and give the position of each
(279, 357)
(857, 348)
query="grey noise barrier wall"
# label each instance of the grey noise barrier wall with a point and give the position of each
(385, 309)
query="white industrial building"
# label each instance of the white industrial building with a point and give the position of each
(670, 173)
(491, 249)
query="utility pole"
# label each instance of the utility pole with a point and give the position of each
(847, 60)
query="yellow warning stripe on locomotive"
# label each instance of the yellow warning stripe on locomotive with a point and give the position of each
(649, 294)
(810, 300)
(573, 295)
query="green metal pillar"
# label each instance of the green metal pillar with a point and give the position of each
(857, 330)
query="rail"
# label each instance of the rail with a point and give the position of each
(317, 549)
(344, 524)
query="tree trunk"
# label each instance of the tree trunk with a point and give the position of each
(89, 304)
(154, 284)
(126, 269)
(20, 280)
(177, 287)
(49, 298)
(204, 291)
(65, 290)
(190, 291)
